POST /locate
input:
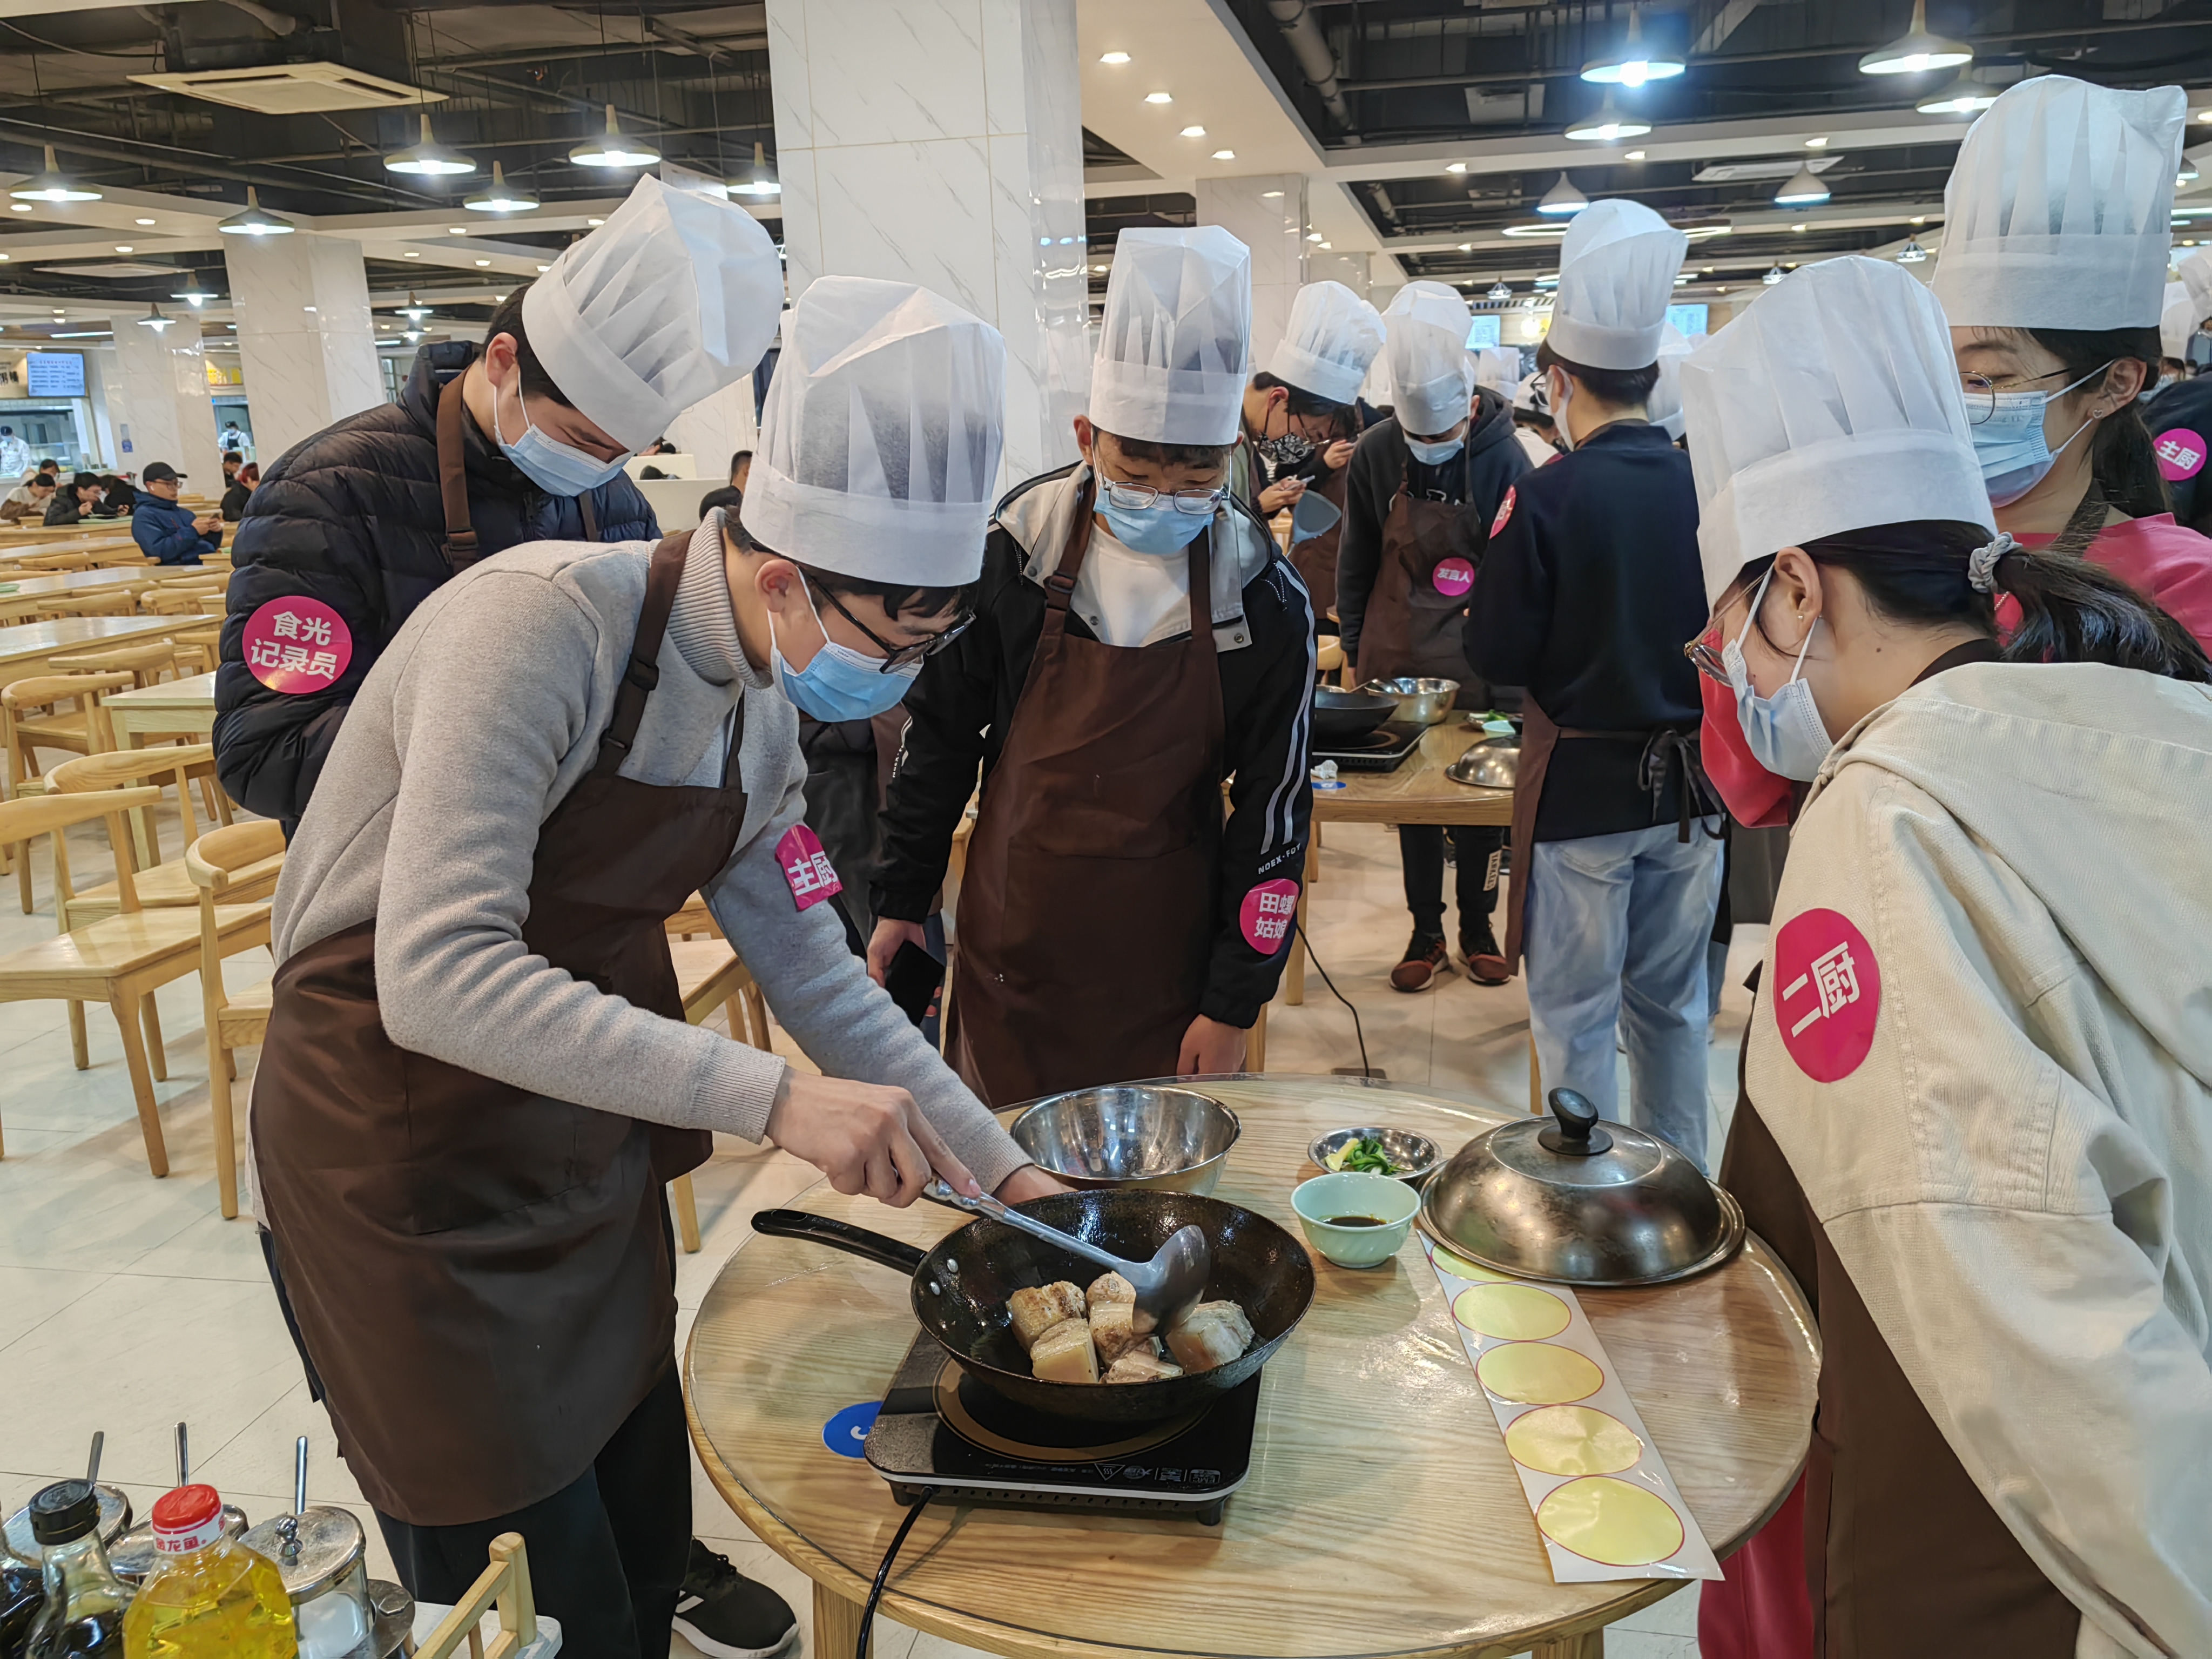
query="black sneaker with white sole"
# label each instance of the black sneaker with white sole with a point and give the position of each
(722, 1613)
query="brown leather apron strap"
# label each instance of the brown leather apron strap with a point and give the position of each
(643, 673)
(1060, 586)
(460, 548)
(591, 516)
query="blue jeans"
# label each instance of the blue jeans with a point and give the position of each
(1615, 933)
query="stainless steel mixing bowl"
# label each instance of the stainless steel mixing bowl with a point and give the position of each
(1420, 701)
(1130, 1134)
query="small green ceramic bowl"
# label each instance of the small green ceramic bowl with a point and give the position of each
(1390, 1201)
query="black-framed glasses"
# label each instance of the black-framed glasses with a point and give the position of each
(900, 656)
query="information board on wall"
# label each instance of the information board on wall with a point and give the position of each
(53, 374)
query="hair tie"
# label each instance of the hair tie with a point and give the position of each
(1982, 562)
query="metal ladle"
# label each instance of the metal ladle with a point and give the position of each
(1167, 1286)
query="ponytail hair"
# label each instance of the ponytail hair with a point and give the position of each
(2070, 610)
(2120, 455)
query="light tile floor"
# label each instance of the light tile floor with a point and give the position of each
(127, 1303)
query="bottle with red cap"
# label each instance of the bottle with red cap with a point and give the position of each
(207, 1594)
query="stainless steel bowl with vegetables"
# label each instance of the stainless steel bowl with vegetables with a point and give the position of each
(1399, 1152)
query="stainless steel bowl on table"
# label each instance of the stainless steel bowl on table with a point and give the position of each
(1412, 1157)
(1420, 701)
(1489, 764)
(1129, 1134)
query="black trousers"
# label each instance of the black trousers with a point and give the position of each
(607, 1551)
(1478, 851)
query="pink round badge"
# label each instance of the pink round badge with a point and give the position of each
(1267, 915)
(297, 645)
(2180, 453)
(1453, 578)
(1505, 510)
(1827, 994)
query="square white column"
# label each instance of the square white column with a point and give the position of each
(158, 407)
(306, 336)
(939, 142)
(1267, 212)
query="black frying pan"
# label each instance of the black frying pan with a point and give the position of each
(1342, 716)
(961, 1287)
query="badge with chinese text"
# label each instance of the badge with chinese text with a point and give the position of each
(2180, 453)
(1265, 914)
(1827, 994)
(807, 869)
(1505, 510)
(1453, 577)
(296, 645)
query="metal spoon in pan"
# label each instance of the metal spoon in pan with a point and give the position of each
(1167, 1286)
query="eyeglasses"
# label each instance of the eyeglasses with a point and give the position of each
(900, 656)
(1981, 392)
(1705, 655)
(1139, 498)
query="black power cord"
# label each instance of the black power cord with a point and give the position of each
(884, 1573)
(1365, 1070)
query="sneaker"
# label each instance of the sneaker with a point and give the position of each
(722, 1613)
(1485, 963)
(1425, 958)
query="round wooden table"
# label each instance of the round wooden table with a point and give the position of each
(1382, 1516)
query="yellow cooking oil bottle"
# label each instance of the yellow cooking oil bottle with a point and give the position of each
(208, 1596)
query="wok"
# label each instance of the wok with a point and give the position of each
(1340, 716)
(962, 1283)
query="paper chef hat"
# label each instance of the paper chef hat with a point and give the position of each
(1664, 406)
(1830, 404)
(1617, 268)
(1333, 336)
(673, 298)
(1431, 382)
(879, 451)
(2188, 303)
(2057, 214)
(1176, 338)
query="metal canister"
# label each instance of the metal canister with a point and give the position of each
(321, 1552)
(114, 1522)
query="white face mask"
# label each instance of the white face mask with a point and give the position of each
(1783, 732)
(1561, 391)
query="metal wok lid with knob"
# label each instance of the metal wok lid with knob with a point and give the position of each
(1574, 1200)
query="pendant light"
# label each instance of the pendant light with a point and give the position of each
(2188, 175)
(192, 293)
(500, 196)
(155, 321)
(1499, 293)
(256, 221)
(1634, 63)
(1563, 200)
(1773, 277)
(1917, 51)
(1607, 124)
(1970, 94)
(762, 180)
(429, 159)
(611, 149)
(1911, 253)
(1804, 189)
(53, 186)
(413, 310)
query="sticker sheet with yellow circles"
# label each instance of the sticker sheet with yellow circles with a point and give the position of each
(1604, 1504)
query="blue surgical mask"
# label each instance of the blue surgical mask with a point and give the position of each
(556, 468)
(2010, 444)
(840, 683)
(1783, 732)
(1159, 529)
(1434, 454)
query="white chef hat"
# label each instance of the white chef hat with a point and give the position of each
(878, 449)
(1617, 268)
(1332, 335)
(1175, 336)
(1497, 368)
(1831, 403)
(2188, 303)
(1664, 406)
(1431, 382)
(2057, 214)
(673, 298)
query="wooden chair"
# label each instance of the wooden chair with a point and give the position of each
(124, 960)
(49, 563)
(96, 602)
(231, 865)
(161, 885)
(147, 661)
(505, 1583)
(171, 575)
(202, 646)
(181, 601)
(32, 718)
(710, 975)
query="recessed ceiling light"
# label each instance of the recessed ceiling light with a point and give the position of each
(18, 207)
(1313, 236)
(1193, 132)
(457, 230)
(1817, 143)
(124, 247)
(1917, 219)
(2205, 115)
(1224, 155)
(1326, 246)
(410, 254)
(142, 222)
(1457, 166)
(1113, 56)
(1796, 226)
(1634, 155)
(484, 261)
(595, 222)
(542, 270)
(1159, 98)
(1271, 195)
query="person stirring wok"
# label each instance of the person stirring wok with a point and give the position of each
(477, 1074)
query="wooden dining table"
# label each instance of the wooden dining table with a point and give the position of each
(27, 648)
(1382, 1516)
(24, 596)
(171, 708)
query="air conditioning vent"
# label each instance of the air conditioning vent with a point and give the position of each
(293, 89)
(117, 268)
(1728, 172)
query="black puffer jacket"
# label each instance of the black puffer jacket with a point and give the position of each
(352, 517)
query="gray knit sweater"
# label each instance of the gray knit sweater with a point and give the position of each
(481, 715)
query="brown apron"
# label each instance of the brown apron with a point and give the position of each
(1088, 912)
(1315, 558)
(1904, 1557)
(1412, 626)
(481, 1275)
(460, 548)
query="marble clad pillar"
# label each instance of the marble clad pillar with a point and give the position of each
(157, 402)
(1350, 269)
(939, 142)
(715, 428)
(1267, 212)
(305, 334)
